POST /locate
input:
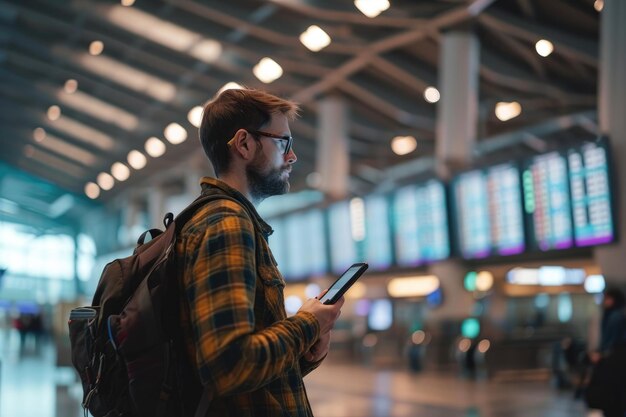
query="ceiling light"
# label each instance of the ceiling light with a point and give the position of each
(65, 148)
(164, 33)
(54, 112)
(175, 133)
(371, 8)
(100, 109)
(544, 47)
(314, 180)
(598, 5)
(71, 86)
(315, 38)
(120, 171)
(126, 75)
(267, 70)
(230, 86)
(127, 3)
(136, 159)
(402, 145)
(105, 181)
(92, 190)
(507, 111)
(84, 133)
(431, 95)
(154, 147)
(195, 116)
(39, 134)
(96, 48)
(207, 50)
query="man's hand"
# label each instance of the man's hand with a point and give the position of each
(326, 314)
(319, 349)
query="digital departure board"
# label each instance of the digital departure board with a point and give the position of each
(591, 194)
(343, 250)
(472, 214)
(547, 201)
(505, 209)
(377, 241)
(278, 245)
(420, 224)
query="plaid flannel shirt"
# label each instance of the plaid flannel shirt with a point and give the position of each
(240, 342)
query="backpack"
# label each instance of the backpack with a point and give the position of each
(125, 345)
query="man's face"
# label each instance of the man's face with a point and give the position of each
(268, 173)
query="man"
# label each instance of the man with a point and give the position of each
(241, 345)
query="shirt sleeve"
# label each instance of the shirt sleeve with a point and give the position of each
(220, 282)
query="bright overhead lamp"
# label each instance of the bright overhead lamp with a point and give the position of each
(71, 86)
(136, 159)
(123, 74)
(431, 95)
(92, 190)
(96, 48)
(100, 109)
(54, 112)
(315, 38)
(120, 171)
(544, 47)
(598, 5)
(105, 181)
(164, 33)
(154, 147)
(39, 134)
(484, 281)
(195, 116)
(29, 151)
(230, 86)
(371, 8)
(267, 70)
(68, 150)
(507, 111)
(175, 133)
(402, 145)
(127, 3)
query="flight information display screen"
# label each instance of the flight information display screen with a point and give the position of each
(305, 245)
(278, 246)
(377, 240)
(472, 214)
(547, 201)
(420, 224)
(343, 250)
(505, 209)
(591, 194)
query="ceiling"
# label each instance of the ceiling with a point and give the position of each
(159, 61)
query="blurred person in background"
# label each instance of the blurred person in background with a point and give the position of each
(607, 387)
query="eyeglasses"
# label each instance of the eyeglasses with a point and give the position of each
(285, 141)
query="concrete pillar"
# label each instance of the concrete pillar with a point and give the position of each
(611, 103)
(457, 117)
(457, 110)
(156, 206)
(333, 159)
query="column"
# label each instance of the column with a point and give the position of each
(611, 103)
(333, 159)
(457, 111)
(457, 118)
(156, 206)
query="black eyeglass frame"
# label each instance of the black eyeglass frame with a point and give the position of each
(288, 138)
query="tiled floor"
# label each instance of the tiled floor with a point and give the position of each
(31, 386)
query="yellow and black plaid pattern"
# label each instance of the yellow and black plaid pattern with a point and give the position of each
(238, 336)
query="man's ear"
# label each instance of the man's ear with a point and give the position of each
(243, 144)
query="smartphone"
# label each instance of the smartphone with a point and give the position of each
(344, 282)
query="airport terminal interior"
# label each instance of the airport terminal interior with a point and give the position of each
(471, 152)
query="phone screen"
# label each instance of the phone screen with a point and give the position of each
(343, 283)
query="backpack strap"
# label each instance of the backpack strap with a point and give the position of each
(205, 401)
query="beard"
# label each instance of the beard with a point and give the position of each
(268, 182)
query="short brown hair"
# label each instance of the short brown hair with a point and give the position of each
(236, 109)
